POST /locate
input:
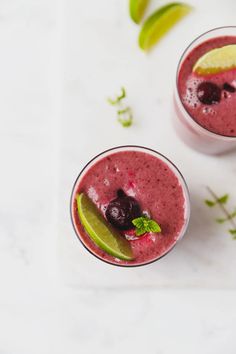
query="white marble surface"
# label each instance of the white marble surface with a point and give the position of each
(59, 62)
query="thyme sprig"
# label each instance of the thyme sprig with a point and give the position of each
(229, 216)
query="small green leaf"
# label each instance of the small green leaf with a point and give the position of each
(154, 227)
(138, 222)
(233, 233)
(232, 215)
(140, 231)
(143, 224)
(210, 203)
(221, 220)
(223, 199)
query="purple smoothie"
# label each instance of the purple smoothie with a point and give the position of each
(156, 188)
(219, 118)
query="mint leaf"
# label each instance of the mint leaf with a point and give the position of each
(140, 231)
(138, 222)
(154, 227)
(143, 224)
(210, 203)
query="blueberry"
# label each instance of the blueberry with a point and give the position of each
(208, 93)
(122, 210)
(228, 87)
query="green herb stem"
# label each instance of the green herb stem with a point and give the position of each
(222, 207)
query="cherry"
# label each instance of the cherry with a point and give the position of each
(208, 93)
(122, 210)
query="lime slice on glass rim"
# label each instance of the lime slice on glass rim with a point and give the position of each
(158, 24)
(103, 235)
(216, 60)
(137, 9)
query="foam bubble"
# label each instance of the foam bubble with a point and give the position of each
(208, 110)
(93, 194)
(190, 97)
(131, 192)
(106, 182)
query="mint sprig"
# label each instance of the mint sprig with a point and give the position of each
(229, 216)
(124, 113)
(143, 224)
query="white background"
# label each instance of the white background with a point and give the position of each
(59, 62)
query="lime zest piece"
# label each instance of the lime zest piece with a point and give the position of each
(125, 117)
(98, 229)
(124, 113)
(118, 98)
(216, 60)
(159, 23)
(137, 9)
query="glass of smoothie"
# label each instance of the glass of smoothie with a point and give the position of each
(129, 206)
(205, 92)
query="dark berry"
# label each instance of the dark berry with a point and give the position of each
(208, 93)
(120, 193)
(122, 210)
(228, 87)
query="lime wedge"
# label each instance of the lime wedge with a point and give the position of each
(137, 9)
(216, 60)
(158, 24)
(100, 231)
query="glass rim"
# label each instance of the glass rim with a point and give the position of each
(213, 134)
(185, 193)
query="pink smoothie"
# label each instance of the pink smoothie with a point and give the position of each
(220, 117)
(156, 188)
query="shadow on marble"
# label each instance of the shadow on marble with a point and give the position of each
(201, 227)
